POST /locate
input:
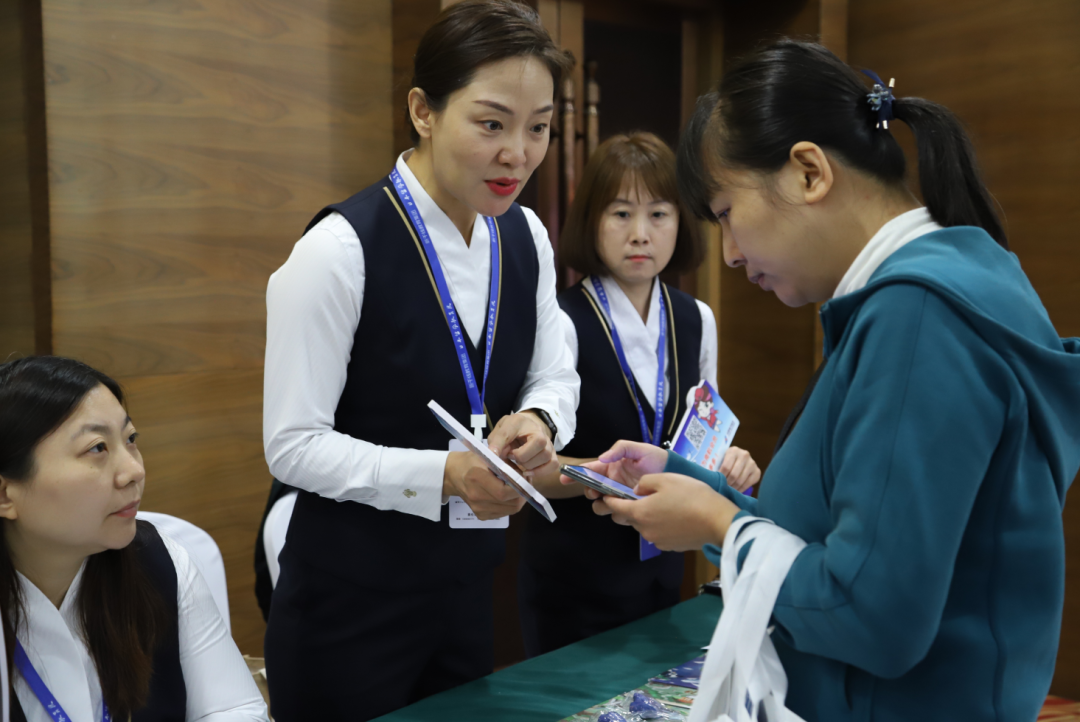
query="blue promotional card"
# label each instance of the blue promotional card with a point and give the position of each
(707, 428)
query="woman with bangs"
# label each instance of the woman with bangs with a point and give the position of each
(927, 471)
(639, 345)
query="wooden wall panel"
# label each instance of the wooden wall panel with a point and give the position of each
(20, 88)
(189, 144)
(1005, 68)
(410, 20)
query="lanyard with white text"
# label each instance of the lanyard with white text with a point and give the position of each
(37, 686)
(661, 349)
(476, 395)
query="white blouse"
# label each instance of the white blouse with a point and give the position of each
(219, 685)
(640, 338)
(313, 305)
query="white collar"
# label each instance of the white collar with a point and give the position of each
(892, 236)
(53, 641)
(623, 309)
(436, 220)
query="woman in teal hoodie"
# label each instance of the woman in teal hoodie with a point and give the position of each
(928, 469)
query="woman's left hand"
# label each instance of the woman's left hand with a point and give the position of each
(740, 469)
(525, 440)
(677, 513)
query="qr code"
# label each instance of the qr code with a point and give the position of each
(695, 432)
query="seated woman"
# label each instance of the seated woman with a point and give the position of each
(105, 619)
(639, 346)
(928, 470)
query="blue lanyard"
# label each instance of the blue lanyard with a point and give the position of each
(476, 395)
(661, 350)
(37, 686)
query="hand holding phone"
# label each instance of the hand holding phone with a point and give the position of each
(598, 482)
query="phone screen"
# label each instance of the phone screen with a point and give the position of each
(599, 482)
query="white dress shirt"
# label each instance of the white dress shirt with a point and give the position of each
(313, 305)
(891, 237)
(219, 685)
(641, 338)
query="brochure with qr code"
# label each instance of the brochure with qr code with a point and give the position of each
(707, 428)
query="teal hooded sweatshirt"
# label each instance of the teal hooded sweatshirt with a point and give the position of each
(927, 475)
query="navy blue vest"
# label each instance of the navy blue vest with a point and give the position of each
(402, 358)
(168, 692)
(606, 414)
(167, 701)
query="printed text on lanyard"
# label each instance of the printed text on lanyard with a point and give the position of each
(661, 351)
(41, 691)
(476, 395)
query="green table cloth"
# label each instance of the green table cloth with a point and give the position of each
(568, 680)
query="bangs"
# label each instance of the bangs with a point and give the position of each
(640, 161)
(656, 181)
(697, 185)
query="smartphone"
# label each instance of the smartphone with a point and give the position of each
(598, 482)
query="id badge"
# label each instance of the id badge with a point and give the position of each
(461, 516)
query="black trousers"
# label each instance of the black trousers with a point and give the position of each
(557, 611)
(335, 650)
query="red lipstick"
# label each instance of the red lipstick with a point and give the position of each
(503, 186)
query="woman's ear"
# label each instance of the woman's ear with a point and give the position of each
(813, 170)
(420, 112)
(7, 506)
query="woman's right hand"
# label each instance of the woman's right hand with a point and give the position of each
(626, 463)
(466, 475)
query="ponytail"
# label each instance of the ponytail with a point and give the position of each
(794, 91)
(948, 174)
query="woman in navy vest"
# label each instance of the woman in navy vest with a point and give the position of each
(104, 617)
(582, 575)
(431, 284)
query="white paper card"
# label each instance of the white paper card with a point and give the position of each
(498, 467)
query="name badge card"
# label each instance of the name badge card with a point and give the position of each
(461, 516)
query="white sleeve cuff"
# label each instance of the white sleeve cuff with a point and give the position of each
(411, 481)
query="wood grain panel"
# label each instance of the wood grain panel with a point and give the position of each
(411, 18)
(187, 151)
(24, 306)
(833, 30)
(1002, 67)
(201, 439)
(572, 38)
(189, 143)
(16, 298)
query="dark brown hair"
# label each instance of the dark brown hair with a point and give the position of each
(640, 158)
(471, 34)
(794, 91)
(121, 612)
